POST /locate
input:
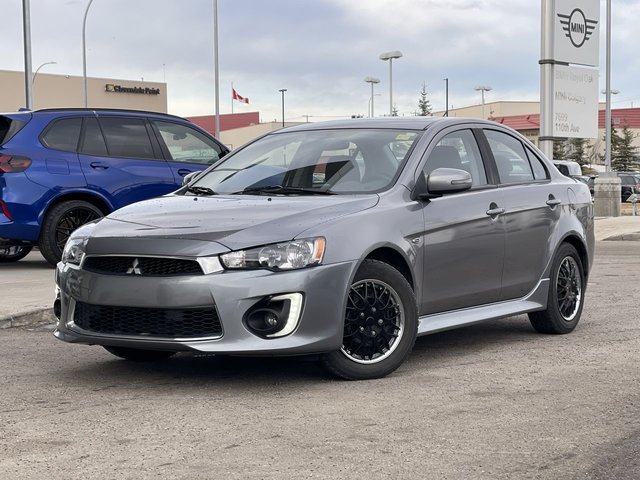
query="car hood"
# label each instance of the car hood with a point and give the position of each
(234, 222)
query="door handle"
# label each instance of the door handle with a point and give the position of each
(492, 212)
(184, 171)
(99, 165)
(552, 202)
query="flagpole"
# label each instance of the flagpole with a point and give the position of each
(231, 98)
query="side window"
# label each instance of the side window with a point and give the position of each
(458, 150)
(511, 159)
(539, 170)
(92, 139)
(126, 137)
(186, 144)
(63, 134)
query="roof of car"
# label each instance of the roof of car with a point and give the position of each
(409, 123)
(101, 110)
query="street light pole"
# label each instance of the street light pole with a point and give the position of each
(372, 81)
(282, 90)
(38, 69)
(216, 68)
(390, 56)
(607, 112)
(84, 55)
(28, 81)
(446, 97)
(482, 89)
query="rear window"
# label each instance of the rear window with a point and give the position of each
(8, 128)
(63, 134)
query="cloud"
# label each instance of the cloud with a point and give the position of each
(320, 51)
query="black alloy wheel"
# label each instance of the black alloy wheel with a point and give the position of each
(566, 294)
(380, 324)
(60, 222)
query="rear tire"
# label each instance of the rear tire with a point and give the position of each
(566, 294)
(13, 254)
(139, 355)
(380, 324)
(60, 222)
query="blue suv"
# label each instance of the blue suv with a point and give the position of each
(61, 168)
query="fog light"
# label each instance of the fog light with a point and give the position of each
(274, 316)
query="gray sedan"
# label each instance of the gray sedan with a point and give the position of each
(345, 239)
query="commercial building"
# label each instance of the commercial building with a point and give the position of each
(58, 91)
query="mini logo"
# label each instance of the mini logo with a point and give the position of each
(577, 27)
(134, 269)
(110, 87)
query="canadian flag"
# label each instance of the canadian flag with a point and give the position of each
(240, 98)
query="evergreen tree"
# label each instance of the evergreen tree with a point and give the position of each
(577, 150)
(559, 149)
(394, 111)
(624, 153)
(424, 106)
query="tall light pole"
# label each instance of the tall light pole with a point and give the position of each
(282, 90)
(390, 56)
(84, 55)
(607, 112)
(446, 97)
(483, 88)
(26, 26)
(216, 67)
(372, 81)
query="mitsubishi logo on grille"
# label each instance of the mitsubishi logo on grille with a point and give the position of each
(134, 269)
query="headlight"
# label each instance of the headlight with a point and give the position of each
(280, 256)
(74, 249)
(73, 252)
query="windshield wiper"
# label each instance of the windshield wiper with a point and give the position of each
(201, 190)
(284, 190)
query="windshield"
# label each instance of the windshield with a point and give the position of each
(317, 161)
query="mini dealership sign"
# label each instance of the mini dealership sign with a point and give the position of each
(110, 87)
(569, 59)
(576, 32)
(575, 102)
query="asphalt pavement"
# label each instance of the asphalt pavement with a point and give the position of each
(491, 401)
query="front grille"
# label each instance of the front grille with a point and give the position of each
(148, 322)
(143, 266)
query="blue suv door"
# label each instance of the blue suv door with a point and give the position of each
(121, 160)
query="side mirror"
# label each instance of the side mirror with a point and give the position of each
(189, 177)
(440, 182)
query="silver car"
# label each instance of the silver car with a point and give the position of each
(345, 239)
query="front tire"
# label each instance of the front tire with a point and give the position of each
(60, 222)
(139, 355)
(380, 324)
(566, 294)
(13, 254)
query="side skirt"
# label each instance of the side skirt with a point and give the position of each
(438, 322)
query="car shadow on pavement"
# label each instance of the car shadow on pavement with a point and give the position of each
(196, 370)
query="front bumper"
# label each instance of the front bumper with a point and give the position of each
(231, 293)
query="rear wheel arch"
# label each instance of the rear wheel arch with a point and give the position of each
(580, 247)
(97, 201)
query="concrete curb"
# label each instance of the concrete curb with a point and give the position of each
(33, 318)
(625, 236)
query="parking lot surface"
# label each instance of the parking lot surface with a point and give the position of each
(491, 401)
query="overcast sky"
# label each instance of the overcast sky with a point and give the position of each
(319, 50)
